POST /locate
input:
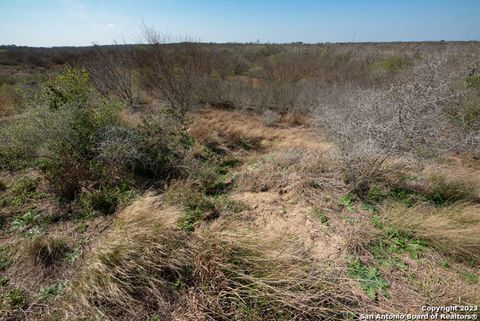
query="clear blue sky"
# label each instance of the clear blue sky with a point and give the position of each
(83, 22)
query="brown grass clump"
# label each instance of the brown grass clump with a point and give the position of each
(443, 189)
(452, 230)
(222, 129)
(294, 169)
(47, 250)
(151, 269)
(296, 119)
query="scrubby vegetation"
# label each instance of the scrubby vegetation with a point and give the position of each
(176, 180)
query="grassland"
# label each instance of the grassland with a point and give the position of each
(238, 181)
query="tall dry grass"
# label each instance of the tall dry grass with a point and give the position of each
(452, 230)
(149, 268)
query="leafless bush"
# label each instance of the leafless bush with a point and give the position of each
(408, 120)
(174, 69)
(112, 71)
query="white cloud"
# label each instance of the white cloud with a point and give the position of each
(110, 26)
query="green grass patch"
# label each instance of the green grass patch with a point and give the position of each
(106, 200)
(473, 81)
(22, 191)
(73, 255)
(16, 298)
(405, 196)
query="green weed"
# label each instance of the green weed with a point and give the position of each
(393, 242)
(347, 201)
(26, 220)
(405, 196)
(369, 278)
(393, 64)
(321, 216)
(16, 297)
(73, 255)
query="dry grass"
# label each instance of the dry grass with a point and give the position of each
(149, 268)
(441, 284)
(235, 127)
(47, 250)
(452, 230)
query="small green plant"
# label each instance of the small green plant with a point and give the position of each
(445, 264)
(369, 278)
(321, 216)
(3, 281)
(4, 258)
(32, 232)
(16, 297)
(81, 227)
(347, 201)
(367, 206)
(22, 191)
(24, 186)
(53, 290)
(377, 221)
(227, 164)
(190, 218)
(218, 188)
(473, 81)
(105, 201)
(72, 256)
(177, 284)
(26, 220)
(376, 194)
(467, 113)
(393, 241)
(405, 196)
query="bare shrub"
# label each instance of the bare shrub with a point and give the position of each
(174, 69)
(408, 120)
(112, 71)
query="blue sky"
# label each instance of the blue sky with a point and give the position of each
(83, 22)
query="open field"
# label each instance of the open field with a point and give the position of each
(195, 181)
